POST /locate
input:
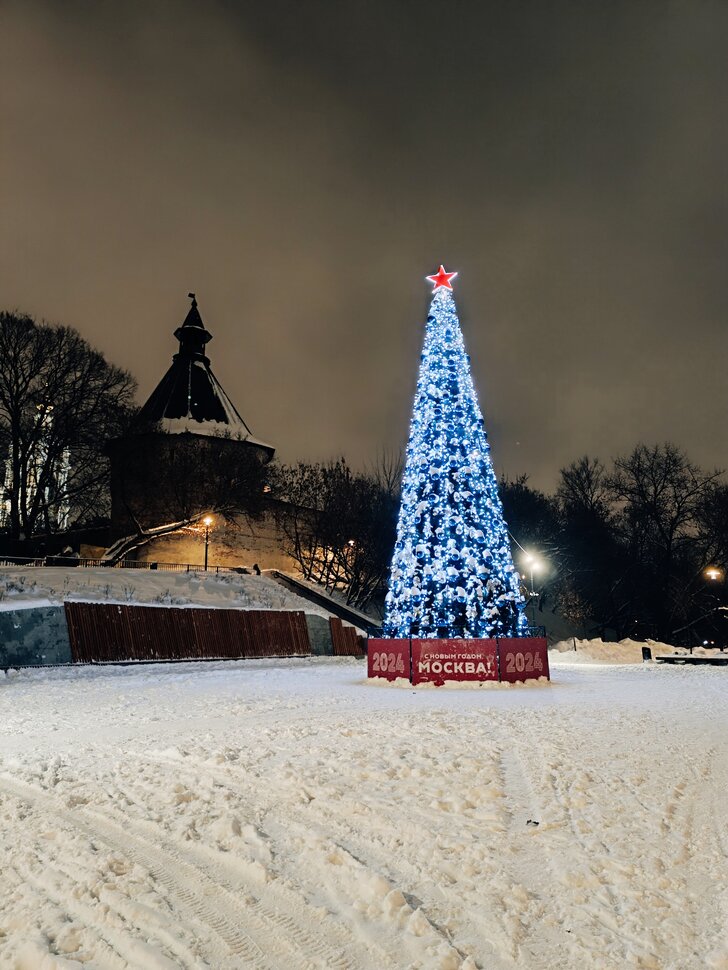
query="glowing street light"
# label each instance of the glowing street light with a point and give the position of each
(534, 564)
(207, 522)
(714, 573)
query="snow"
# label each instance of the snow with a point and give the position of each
(627, 651)
(401, 683)
(283, 814)
(43, 586)
(220, 429)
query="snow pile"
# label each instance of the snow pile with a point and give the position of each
(42, 586)
(598, 651)
(281, 815)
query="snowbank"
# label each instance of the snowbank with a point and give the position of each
(598, 651)
(43, 586)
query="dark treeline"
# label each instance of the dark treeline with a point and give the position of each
(626, 546)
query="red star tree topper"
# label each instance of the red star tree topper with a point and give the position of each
(441, 278)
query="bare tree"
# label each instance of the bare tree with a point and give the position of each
(658, 495)
(59, 402)
(590, 589)
(583, 485)
(340, 526)
(387, 472)
(712, 517)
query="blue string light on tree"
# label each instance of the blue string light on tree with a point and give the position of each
(452, 572)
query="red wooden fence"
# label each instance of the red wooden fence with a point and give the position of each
(345, 640)
(105, 631)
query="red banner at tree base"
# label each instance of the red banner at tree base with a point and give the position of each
(523, 658)
(389, 659)
(435, 661)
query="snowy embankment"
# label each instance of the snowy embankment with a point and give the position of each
(284, 815)
(598, 651)
(40, 586)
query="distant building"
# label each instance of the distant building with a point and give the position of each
(189, 423)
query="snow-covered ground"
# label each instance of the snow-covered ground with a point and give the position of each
(277, 814)
(30, 586)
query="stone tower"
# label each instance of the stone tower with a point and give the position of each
(185, 435)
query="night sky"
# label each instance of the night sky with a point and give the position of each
(302, 166)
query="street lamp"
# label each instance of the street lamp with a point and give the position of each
(714, 575)
(207, 522)
(534, 564)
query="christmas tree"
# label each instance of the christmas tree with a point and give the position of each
(452, 572)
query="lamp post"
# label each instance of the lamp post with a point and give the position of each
(207, 522)
(534, 564)
(715, 575)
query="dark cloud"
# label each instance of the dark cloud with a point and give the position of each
(302, 166)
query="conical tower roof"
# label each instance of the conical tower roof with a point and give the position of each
(189, 398)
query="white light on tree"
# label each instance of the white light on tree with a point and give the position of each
(452, 572)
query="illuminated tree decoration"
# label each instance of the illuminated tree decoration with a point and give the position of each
(452, 572)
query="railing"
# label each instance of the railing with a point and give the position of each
(176, 567)
(354, 617)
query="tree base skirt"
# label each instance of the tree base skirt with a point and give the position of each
(509, 660)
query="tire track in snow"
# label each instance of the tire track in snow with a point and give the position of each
(599, 884)
(114, 949)
(107, 944)
(328, 820)
(276, 794)
(271, 905)
(440, 899)
(266, 910)
(624, 892)
(170, 871)
(705, 895)
(532, 864)
(273, 902)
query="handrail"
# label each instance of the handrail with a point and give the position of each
(37, 561)
(354, 617)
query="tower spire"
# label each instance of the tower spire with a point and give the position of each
(189, 398)
(192, 335)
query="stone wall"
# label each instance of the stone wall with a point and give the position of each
(241, 542)
(37, 635)
(319, 633)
